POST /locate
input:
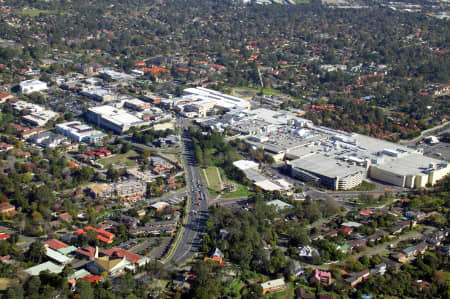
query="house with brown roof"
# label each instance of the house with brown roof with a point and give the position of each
(86, 252)
(4, 96)
(134, 258)
(66, 217)
(7, 209)
(355, 278)
(4, 147)
(55, 244)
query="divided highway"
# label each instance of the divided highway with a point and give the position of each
(198, 213)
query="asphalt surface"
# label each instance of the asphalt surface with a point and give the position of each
(198, 214)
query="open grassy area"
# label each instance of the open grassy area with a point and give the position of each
(242, 191)
(5, 283)
(266, 91)
(128, 159)
(364, 186)
(36, 12)
(213, 179)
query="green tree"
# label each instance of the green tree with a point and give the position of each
(36, 252)
(32, 286)
(85, 289)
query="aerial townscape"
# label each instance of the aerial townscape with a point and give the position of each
(224, 149)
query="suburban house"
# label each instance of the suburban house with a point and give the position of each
(321, 277)
(271, 286)
(355, 278)
(7, 209)
(307, 251)
(112, 266)
(216, 256)
(134, 258)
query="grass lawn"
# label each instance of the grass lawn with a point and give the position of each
(291, 289)
(5, 283)
(282, 295)
(127, 159)
(278, 295)
(36, 12)
(266, 91)
(213, 179)
(364, 186)
(242, 191)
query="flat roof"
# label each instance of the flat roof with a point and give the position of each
(115, 115)
(245, 164)
(254, 175)
(326, 166)
(412, 164)
(267, 185)
(27, 83)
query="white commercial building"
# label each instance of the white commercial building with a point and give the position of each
(29, 86)
(117, 76)
(115, 119)
(200, 100)
(99, 94)
(37, 115)
(80, 132)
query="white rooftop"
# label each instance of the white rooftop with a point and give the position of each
(245, 164)
(29, 83)
(159, 205)
(117, 116)
(47, 266)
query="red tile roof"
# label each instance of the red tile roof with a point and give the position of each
(365, 212)
(55, 244)
(105, 234)
(92, 278)
(104, 240)
(79, 231)
(346, 230)
(118, 252)
(156, 70)
(88, 252)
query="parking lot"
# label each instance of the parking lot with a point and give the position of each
(439, 151)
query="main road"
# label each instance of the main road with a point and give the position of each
(194, 228)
